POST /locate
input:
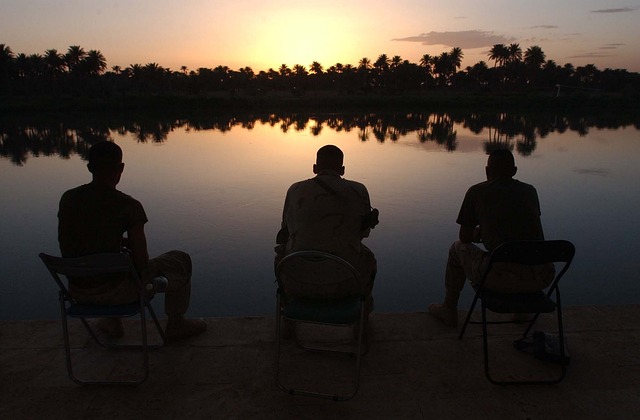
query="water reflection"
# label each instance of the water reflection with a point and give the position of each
(518, 132)
(214, 186)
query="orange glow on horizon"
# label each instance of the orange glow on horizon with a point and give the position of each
(302, 37)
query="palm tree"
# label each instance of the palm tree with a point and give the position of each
(94, 63)
(75, 54)
(478, 72)
(54, 62)
(533, 59)
(35, 65)
(444, 66)
(426, 61)
(134, 71)
(364, 63)
(515, 53)
(299, 70)
(499, 53)
(587, 75)
(6, 55)
(382, 67)
(22, 65)
(456, 55)
(316, 68)
(284, 70)
(318, 75)
(363, 67)
(396, 61)
(248, 72)
(348, 73)
(382, 63)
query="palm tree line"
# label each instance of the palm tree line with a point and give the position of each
(86, 73)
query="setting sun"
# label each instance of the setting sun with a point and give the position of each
(301, 37)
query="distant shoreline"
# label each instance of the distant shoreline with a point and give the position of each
(321, 102)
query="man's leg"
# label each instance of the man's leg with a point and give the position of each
(176, 267)
(465, 262)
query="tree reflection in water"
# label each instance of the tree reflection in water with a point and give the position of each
(20, 140)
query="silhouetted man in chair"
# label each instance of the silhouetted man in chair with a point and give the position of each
(93, 218)
(498, 210)
(331, 214)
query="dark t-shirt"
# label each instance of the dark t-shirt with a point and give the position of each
(92, 219)
(505, 210)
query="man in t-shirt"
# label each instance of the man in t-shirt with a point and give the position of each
(93, 218)
(331, 214)
(498, 210)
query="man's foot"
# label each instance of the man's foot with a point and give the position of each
(184, 328)
(448, 316)
(113, 327)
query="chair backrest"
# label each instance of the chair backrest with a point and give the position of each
(88, 266)
(317, 274)
(535, 252)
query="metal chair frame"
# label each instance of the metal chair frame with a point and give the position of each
(91, 265)
(356, 322)
(527, 253)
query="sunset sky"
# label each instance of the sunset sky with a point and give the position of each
(267, 33)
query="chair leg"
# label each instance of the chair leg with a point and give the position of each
(560, 336)
(144, 346)
(67, 344)
(485, 343)
(468, 318)
(156, 321)
(563, 367)
(278, 338)
(358, 355)
(361, 336)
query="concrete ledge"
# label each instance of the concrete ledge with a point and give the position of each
(415, 369)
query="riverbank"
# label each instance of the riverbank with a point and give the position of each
(415, 369)
(323, 102)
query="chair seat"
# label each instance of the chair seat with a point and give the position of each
(103, 311)
(330, 311)
(527, 303)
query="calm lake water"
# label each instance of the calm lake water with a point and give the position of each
(216, 190)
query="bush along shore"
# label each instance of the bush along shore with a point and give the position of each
(323, 102)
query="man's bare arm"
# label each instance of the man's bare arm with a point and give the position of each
(137, 243)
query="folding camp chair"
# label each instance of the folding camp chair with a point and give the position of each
(527, 253)
(94, 265)
(316, 271)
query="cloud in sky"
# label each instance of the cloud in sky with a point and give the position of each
(544, 27)
(617, 10)
(462, 39)
(591, 55)
(611, 46)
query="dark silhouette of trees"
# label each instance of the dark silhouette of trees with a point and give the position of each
(94, 63)
(74, 56)
(499, 53)
(85, 73)
(364, 66)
